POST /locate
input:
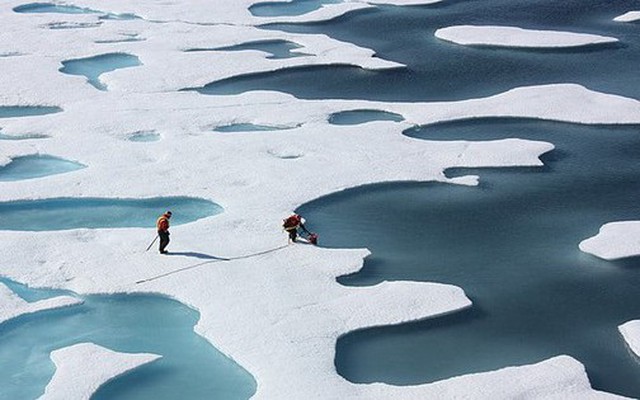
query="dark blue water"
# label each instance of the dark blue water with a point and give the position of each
(93, 67)
(190, 368)
(36, 166)
(512, 245)
(437, 70)
(277, 49)
(72, 213)
(355, 117)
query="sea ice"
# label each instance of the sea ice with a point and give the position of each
(615, 240)
(631, 16)
(281, 304)
(82, 368)
(508, 36)
(631, 333)
(12, 306)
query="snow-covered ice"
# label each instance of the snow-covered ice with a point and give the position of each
(282, 306)
(631, 16)
(82, 368)
(631, 333)
(510, 36)
(12, 306)
(615, 240)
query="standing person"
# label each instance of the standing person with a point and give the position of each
(163, 231)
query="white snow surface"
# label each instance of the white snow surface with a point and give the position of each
(283, 307)
(631, 16)
(615, 240)
(631, 333)
(509, 36)
(82, 368)
(12, 306)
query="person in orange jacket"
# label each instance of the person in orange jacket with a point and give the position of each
(291, 225)
(163, 231)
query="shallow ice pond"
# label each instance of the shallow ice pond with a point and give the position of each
(356, 117)
(247, 127)
(27, 111)
(288, 8)
(93, 67)
(191, 368)
(36, 166)
(72, 213)
(45, 8)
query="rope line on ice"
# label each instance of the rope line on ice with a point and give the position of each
(153, 278)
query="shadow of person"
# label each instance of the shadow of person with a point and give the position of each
(195, 255)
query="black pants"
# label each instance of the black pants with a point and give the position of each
(164, 240)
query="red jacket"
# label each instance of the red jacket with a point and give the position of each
(163, 223)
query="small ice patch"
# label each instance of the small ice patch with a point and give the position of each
(631, 16)
(631, 333)
(615, 240)
(508, 36)
(84, 367)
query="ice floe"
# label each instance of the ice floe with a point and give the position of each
(509, 36)
(12, 306)
(631, 333)
(615, 240)
(82, 368)
(631, 16)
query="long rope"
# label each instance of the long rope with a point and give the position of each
(153, 278)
